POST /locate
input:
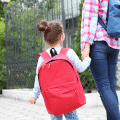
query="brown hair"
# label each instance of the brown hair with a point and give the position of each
(52, 30)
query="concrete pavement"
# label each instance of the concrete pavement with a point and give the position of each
(16, 109)
(14, 105)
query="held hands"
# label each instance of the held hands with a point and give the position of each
(32, 100)
(86, 51)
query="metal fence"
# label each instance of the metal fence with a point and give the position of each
(24, 42)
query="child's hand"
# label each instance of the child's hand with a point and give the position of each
(32, 100)
(87, 55)
(86, 51)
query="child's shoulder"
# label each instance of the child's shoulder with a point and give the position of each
(71, 50)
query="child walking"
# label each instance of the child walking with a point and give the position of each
(54, 35)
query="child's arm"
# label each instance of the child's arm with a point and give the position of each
(85, 64)
(79, 65)
(36, 89)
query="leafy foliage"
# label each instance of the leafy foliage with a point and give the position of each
(2, 9)
(2, 59)
(2, 46)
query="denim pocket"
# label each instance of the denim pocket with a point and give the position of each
(101, 45)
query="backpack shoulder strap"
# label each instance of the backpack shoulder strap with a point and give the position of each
(100, 20)
(102, 23)
(64, 50)
(44, 55)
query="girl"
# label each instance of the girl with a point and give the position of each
(104, 51)
(54, 35)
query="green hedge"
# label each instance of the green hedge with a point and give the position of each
(2, 56)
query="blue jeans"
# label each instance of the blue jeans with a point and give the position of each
(69, 116)
(103, 69)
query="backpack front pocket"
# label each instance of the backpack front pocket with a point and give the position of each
(63, 99)
(61, 89)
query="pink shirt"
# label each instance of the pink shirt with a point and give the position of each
(90, 30)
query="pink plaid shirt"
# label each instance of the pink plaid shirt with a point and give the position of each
(90, 30)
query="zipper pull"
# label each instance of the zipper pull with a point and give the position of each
(49, 66)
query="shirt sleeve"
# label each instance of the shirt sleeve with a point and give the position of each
(79, 65)
(89, 22)
(36, 89)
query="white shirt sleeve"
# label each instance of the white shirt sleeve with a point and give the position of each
(79, 65)
(36, 89)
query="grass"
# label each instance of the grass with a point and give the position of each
(2, 25)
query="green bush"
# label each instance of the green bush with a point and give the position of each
(86, 77)
(2, 59)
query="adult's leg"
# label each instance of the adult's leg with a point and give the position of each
(99, 70)
(112, 62)
(112, 59)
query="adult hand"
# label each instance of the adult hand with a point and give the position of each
(86, 51)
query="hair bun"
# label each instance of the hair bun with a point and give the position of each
(48, 28)
(42, 25)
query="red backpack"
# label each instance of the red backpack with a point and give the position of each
(60, 83)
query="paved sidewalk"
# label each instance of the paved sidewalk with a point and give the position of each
(13, 109)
